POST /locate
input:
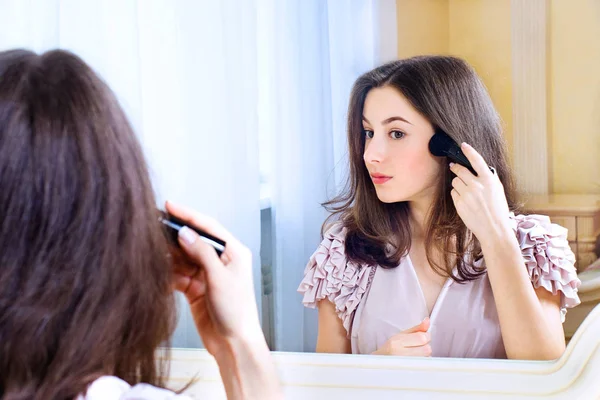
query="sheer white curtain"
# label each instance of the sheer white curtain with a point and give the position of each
(319, 49)
(185, 72)
(205, 84)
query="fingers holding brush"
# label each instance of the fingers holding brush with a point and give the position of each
(477, 161)
(479, 200)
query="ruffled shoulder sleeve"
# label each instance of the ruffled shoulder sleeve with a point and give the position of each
(548, 257)
(329, 275)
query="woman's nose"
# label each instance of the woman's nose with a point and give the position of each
(374, 150)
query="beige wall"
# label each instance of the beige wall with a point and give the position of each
(422, 27)
(575, 96)
(479, 31)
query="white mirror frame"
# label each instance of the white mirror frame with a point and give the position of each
(328, 376)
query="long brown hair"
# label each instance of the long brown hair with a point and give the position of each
(448, 93)
(85, 280)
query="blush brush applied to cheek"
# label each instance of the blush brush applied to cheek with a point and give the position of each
(442, 145)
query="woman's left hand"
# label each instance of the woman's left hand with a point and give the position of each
(480, 200)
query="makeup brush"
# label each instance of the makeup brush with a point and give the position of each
(442, 145)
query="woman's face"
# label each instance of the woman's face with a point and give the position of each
(396, 150)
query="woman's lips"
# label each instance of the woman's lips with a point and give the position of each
(380, 179)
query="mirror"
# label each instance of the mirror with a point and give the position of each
(241, 108)
(310, 375)
(538, 81)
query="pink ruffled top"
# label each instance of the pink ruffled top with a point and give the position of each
(376, 303)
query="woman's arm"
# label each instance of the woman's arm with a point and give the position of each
(332, 334)
(530, 319)
(220, 292)
(247, 370)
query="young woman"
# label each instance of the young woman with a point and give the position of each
(426, 258)
(86, 280)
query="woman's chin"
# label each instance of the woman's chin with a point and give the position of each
(389, 198)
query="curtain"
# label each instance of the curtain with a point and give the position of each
(240, 106)
(185, 73)
(319, 49)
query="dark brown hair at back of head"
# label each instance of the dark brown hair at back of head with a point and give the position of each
(84, 274)
(449, 94)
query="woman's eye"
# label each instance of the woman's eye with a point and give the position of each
(396, 134)
(369, 133)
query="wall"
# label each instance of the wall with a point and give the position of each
(480, 33)
(422, 27)
(575, 96)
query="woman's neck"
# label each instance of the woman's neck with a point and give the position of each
(418, 215)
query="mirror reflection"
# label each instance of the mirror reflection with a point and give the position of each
(412, 178)
(427, 258)
(375, 269)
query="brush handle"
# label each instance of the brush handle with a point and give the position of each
(457, 156)
(465, 163)
(173, 225)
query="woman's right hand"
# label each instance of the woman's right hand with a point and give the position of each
(220, 292)
(413, 342)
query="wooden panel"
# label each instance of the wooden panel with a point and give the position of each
(563, 204)
(586, 228)
(574, 249)
(585, 259)
(579, 213)
(586, 246)
(585, 254)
